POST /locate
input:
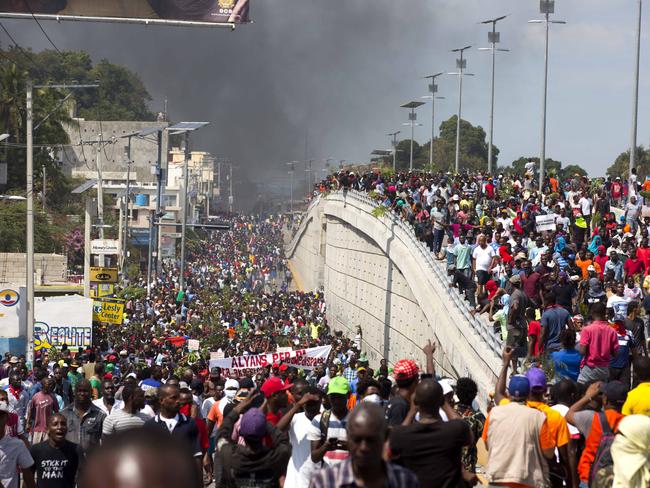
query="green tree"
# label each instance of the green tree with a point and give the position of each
(621, 165)
(473, 146)
(402, 159)
(571, 170)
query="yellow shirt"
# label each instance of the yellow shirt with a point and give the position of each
(638, 401)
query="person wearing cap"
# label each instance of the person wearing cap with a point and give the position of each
(254, 463)
(517, 438)
(614, 396)
(406, 375)
(15, 458)
(275, 393)
(327, 433)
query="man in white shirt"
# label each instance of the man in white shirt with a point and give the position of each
(482, 262)
(14, 457)
(107, 403)
(585, 208)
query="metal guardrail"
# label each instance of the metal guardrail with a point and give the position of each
(437, 268)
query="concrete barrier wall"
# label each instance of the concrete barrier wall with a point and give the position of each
(49, 268)
(377, 275)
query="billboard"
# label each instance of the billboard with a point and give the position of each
(63, 320)
(149, 11)
(109, 311)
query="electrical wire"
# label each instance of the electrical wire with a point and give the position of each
(26, 53)
(41, 27)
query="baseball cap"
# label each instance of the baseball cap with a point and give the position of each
(515, 279)
(405, 369)
(519, 386)
(274, 385)
(361, 368)
(283, 367)
(231, 384)
(536, 378)
(253, 424)
(13, 360)
(615, 391)
(338, 385)
(591, 267)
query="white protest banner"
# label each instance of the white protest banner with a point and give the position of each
(300, 358)
(545, 222)
(217, 355)
(63, 320)
(192, 344)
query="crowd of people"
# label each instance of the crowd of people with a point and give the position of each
(571, 406)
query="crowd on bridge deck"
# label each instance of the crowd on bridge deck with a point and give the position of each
(139, 409)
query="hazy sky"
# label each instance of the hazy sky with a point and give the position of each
(338, 71)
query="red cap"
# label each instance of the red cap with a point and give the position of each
(283, 367)
(274, 385)
(405, 369)
(108, 376)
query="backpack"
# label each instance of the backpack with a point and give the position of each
(603, 465)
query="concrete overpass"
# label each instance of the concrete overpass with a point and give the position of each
(376, 274)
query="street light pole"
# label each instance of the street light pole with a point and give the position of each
(635, 103)
(30, 228)
(494, 38)
(461, 64)
(394, 143)
(412, 122)
(184, 213)
(546, 7)
(433, 89)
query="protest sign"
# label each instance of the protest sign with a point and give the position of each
(192, 344)
(545, 222)
(300, 358)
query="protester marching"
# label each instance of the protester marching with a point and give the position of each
(237, 380)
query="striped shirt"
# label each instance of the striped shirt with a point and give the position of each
(335, 430)
(342, 476)
(120, 420)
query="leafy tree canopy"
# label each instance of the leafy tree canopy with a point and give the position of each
(621, 165)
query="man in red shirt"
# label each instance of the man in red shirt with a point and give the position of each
(633, 265)
(598, 345)
(41, 407)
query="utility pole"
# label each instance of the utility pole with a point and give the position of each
(159, 197)
(433, 89)
(494, 38)
(125, 248)
(412, 122)
(44, 188)
(30, 228)
(150, 252)
(635, 104)
(87, 229)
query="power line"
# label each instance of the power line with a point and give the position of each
(41, 27)
(17, 46)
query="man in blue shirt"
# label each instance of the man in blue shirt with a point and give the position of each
(554, 321)
(566, 361)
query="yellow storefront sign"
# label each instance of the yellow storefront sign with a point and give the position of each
(103, 275)
(108, 311)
